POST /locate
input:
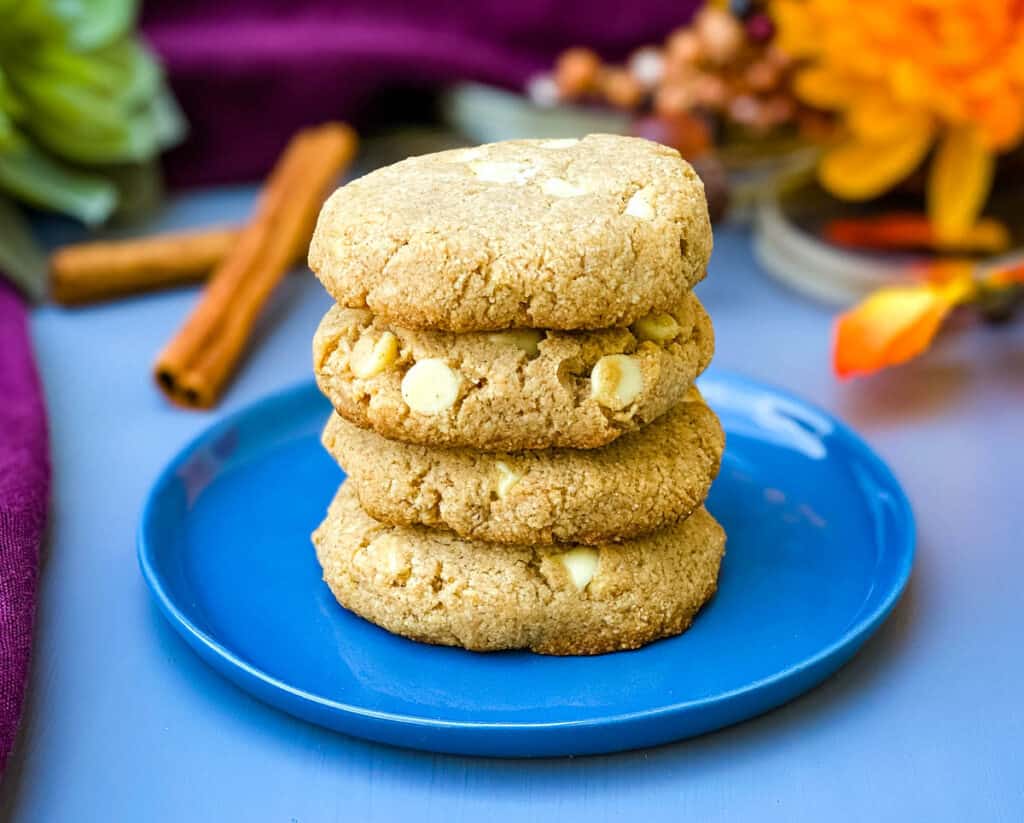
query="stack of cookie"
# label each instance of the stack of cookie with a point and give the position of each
(511, 360)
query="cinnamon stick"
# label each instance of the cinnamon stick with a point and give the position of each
(195, 366)
(88, 272)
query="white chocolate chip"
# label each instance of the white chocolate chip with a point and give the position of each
(557, 187)
(510, 171)
(507, 478)
(395, 563)
(525, 339)
(658, 328)
(559, 143)
(370, 357)
(390, 558)
(431, 386)
(639, 205)
(581, 564)
(616, 381)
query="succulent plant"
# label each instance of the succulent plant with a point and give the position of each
(78, 92)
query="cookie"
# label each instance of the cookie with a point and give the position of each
(643, 481)
(438, 588)
(511, 390)
(556, 234)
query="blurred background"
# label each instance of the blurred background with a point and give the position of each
(873, 148)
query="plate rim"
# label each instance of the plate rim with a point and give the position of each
(850, 640)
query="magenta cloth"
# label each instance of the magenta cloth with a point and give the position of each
(24, 496)
(248, 73)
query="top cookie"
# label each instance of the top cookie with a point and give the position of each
(554, 234)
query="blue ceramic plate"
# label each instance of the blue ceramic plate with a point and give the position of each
(820, 544)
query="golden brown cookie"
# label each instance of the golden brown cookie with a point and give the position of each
(643, 481)
(511, 390)
(557, 234)
(438, 588)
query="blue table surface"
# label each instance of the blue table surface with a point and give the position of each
(125, 723)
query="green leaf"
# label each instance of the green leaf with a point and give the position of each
(21, 258)
(77, 89)
(124, 71)
(33, 176)
(29, 20)
(168, 121)
(10, 106)
(94, 23)
(108, 107)
(140, 188)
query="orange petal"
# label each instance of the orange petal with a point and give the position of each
(988, 235)
(958, 182)
(795, 32)
(855, 170)
(877, 118)
(955, 274)
(893, 230)
(892, 326)
(822, 88)
(907, 231)
(1008, 276)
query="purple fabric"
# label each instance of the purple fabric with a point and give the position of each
(24, 495)
(248, 73)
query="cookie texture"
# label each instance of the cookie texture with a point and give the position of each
(643, 481)
(558, 234)
(511, 390)
(439, 588)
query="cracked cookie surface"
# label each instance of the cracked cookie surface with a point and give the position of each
(439, 588)
(643, 481)
(558, 234)
(511, 390)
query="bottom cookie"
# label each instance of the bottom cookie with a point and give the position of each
(438, 588)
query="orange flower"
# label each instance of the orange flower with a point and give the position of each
(905, 76)
(895, 325)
